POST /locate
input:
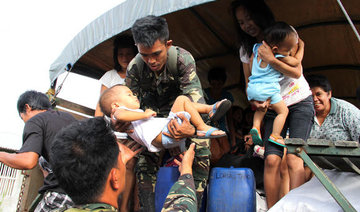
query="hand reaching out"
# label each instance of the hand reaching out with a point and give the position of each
(185, 167)
(248, 142)
(128, 149)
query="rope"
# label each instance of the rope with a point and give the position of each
(52, 93)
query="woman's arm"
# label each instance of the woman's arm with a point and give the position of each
(247, 73)
(267, 56)
(126, 115)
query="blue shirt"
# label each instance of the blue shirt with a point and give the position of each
(263, 75)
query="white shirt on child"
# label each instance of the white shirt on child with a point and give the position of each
(146, 130)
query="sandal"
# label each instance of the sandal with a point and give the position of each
(208, 134)
(256, 137)
(277, 140)
(217, 112)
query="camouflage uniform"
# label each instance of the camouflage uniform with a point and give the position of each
(182, 196)
(94, 207)
(158, 92)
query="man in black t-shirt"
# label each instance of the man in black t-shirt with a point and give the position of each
(41, 126)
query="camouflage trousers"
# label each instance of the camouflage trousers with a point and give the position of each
(148, 165)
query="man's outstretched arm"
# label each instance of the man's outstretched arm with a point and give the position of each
(23, 161)
(182, 195)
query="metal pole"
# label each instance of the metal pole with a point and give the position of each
(329, 186)
(349, 20)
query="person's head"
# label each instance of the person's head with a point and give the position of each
(252, 17)
(123, 52)
(116, 96)
(30, 103)
(217, 77)
(151, 36)
(281, 37)
(321, 91)
(86, 161)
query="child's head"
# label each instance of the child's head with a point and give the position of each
(116, 96)
(281, 37)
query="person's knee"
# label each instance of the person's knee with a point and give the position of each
(183, 98)
(294, 162)
(286, 111)
(272, 161)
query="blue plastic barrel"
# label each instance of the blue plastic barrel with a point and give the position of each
(231, 189)
(166, 177)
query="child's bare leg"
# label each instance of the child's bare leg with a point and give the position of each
(183, 103)
(282, 111)
(258, 117)
(201, 108)
(205, 108)
(255, 131)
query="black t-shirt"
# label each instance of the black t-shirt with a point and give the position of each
(39, 133)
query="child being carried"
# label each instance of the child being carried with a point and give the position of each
(263, 85)
(148, 130)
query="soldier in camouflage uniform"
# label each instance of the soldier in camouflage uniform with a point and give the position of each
(90, 166)
(182, 195)
(157, 75)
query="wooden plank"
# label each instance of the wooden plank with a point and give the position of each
(295, 141)
(318, 142)
(75, 107)
(354, 144)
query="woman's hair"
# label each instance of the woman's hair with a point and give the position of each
(259, 12)
(276, 33)
(121, 42)
(319, 81)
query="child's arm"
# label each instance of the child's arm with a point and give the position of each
(267, 56)
(299, 52)
(296, 55)
(126, 115)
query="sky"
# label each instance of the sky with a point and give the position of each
(32, 35)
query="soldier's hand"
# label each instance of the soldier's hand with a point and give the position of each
(128, 149)
(178, 131)
(185, 166)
